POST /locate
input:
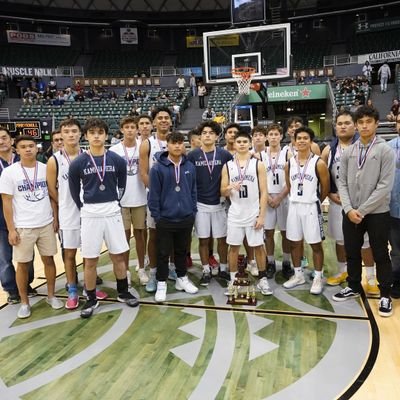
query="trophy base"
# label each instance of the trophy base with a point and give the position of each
(242, 300)
(241, 282)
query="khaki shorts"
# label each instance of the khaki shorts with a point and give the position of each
(134, 216)
(44, 238)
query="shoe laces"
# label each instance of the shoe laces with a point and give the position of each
(384, 302)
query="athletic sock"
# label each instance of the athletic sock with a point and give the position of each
(206, 269)
(298, 271)
(122, 285)
(223, 267)
(271, 259)
(91, 294)
(233, 276)
(286, 257)
(318, 274)
(370, 272)
(342, 267)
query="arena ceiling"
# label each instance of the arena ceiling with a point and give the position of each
(142, 9)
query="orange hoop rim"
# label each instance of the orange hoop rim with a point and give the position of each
(244, 72)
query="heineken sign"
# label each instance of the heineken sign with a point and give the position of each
(291, 93)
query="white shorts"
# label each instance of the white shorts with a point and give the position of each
(305, 222)
(150, 220)
(335, 228)
(236, 235)
(70, 238)
(277, 216)
(211, 224)
(95, 230)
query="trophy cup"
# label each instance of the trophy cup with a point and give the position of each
(240, 291)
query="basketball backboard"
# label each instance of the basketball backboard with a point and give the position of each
(265, 48)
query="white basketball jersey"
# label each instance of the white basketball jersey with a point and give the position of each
(275, 167)
(135, 191)
(335, 167)
(304, 190)
(155, 147)
(68, 213)
(245, 203)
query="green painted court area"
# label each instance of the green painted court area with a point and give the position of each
(192, 347)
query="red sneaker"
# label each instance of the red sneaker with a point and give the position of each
(213, 262)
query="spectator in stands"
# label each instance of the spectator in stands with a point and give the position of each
(219, 118)
(181, 82)
(59, 98)
(192, 84)
(129, 95)
(360, 96)
(52, 85)
(370, 104)
(354, 107)
(40, 86)
(394, 111)
(301, 80)
(3, 83)
(30, 97)
(69, 95)
(80, 96)
(78, 87)
(201, 92)
(23, 85)
(367, 70)
(176, 113)
(208, 115)
(385, 74)
(113, 97)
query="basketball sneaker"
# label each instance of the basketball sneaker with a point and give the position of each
(287, 270)
(263, 285)
(128, 298)
(143, 277)
(317, 285)
(371, 287)
(24, 311)
(72, 301)
(54, 303)
(345, 294)
(252, 268)
(385, 307)
(337, 279)
(88, 308)
(205, 279)
(295, 280)
(185, 284)
(161, 293)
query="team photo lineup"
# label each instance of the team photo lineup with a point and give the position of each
(231, 186)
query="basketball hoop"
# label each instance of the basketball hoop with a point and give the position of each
(243, 77)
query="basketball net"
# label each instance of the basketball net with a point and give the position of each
(243, 77)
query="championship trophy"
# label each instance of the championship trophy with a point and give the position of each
(241, 291)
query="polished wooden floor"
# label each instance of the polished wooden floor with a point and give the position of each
(179, 350)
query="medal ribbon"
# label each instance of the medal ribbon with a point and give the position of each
(66, 156)
(103, 172)
(361, 158)
(275, 164)
(241, 175)
(129, 161)
(302, 175)
(177, 171)
(30, 183)
(210, 167)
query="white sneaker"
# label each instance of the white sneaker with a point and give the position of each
(252, 268)
(317, 285)
(24, 311)
(129, 278)
(143, 277)
(161, 293)
(55, 303)
(185, 284)
(295, 280)
(263, 285)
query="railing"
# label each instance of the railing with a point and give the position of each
(163, 71)
(4, 114)
(340, 59)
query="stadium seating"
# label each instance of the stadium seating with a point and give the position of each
(364, 43)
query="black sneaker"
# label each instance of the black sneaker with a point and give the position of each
(287, 270)
(395, 293)
(13, 298)
(205, 279)
(99, 281)
(88, 308)
(224, 275)
(128, 298)
(385, 307)
(345, 294)
(271, 269)
(31, 291)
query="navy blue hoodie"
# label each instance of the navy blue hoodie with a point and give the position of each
(164, 201)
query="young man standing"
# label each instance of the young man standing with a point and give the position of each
(259, 139)
(29, 218)
(145, 126)
(231, 130)
(102, 175)
(274, 159)
(134, 200)
(394, 234)
(307, 179)
(367, 170)
(345, 136)
(154, 144)
(172, 203)
(211, 216)
(244, 182)
(7, 270)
